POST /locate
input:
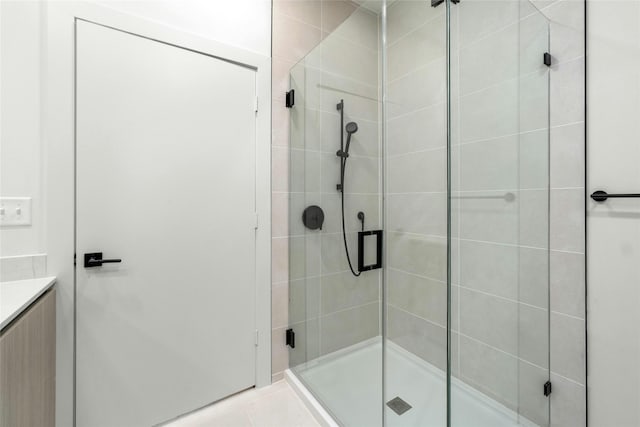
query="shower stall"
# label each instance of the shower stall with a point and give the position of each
(419, 216)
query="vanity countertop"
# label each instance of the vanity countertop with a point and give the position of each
(17, 295)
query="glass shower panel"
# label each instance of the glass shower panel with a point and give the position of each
(303, 266)
(454, 329)
(500, 214)
(335, 165)
(415, 353)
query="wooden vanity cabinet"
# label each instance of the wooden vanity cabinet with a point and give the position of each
(27, 366)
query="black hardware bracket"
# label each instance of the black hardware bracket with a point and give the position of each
(602, 196)
(361, 218)
(546, 59)
(547, 388)
(290, 338)
(361, 236)
(436, 3)
(290, 98)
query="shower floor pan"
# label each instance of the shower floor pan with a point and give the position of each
(347, 383)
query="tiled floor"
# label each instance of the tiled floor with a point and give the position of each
(274, 406)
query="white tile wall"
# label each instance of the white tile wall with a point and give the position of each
(23, 267)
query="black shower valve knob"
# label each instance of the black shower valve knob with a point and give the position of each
(313, 217)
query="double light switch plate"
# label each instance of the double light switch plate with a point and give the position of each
(15, 211)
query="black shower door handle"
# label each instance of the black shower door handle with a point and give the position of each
(378, 263)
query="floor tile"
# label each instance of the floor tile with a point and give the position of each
(274, 406)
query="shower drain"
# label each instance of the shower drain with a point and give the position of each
(398, 405)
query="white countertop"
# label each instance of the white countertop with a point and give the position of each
(18, 295)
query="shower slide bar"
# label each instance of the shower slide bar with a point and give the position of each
(602, 196)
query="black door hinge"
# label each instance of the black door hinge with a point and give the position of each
(291, 338)
(547, 59)
(74, 260)
(547, 388)
(290, 98)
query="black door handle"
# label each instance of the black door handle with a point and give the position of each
(94, 259)
(601, 196)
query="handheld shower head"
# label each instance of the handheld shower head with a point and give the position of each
(351, 128)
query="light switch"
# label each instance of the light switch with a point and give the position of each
(15, 211)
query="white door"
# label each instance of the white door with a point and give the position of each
(165, 154)
(613, 227)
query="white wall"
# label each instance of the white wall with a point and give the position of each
(613, 94)
(241, 23)
(20, 147)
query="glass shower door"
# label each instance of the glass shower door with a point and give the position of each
(499, 325)
(466, 214)
(415, 159)
(334, 305)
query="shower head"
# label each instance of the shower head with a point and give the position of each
(351, 128)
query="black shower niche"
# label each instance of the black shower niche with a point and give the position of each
(313, 217)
